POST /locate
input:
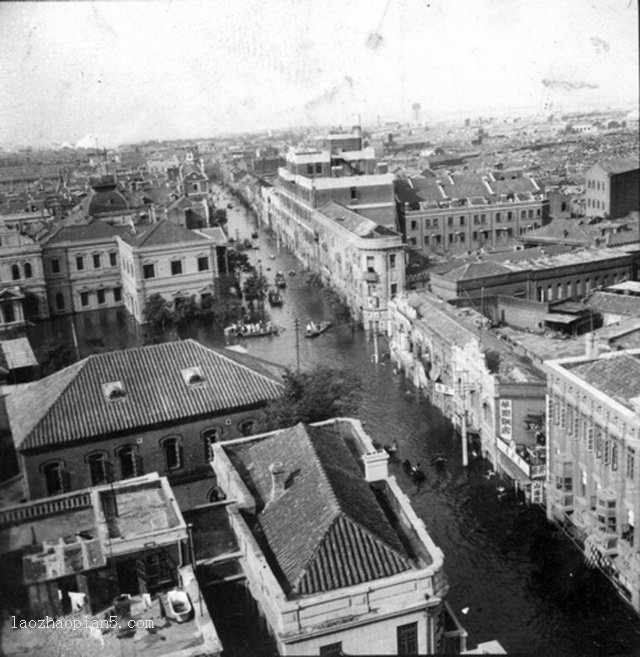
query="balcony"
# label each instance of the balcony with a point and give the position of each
(530, 459)
(370, 276)
(606, 542)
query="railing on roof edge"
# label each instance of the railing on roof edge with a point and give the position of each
(33, 510)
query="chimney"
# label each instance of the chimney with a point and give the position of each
(376, 465)
(277, 480)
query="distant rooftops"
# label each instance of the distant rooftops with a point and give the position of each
(354, 222)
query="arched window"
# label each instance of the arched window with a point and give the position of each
(130, 462)
(100, 468)
(247, 427)
(15, 272)
(172, 451)
(210, 436)
(59, 301)
(28, 272)
(57, 479)
(216, 495)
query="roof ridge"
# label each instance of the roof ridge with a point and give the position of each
(77, 366)
(377, 538)
(146, 235)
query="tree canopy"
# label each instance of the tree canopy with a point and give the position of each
(315, 395)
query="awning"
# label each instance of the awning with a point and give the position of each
(560, 318)
(512, 470)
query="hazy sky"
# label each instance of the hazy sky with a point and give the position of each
(169, 69)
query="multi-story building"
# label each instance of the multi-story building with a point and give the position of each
(332, 551)
(539, 278)
(82, 267)
(463, 211)
(169, 260)
(345, 172)
(612, 188)
(23, 294)
(494, 397)
(119, 414)
(593, 430)
(359, 258)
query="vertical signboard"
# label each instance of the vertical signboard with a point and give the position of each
(506, 419)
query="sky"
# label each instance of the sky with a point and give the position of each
(170, 69)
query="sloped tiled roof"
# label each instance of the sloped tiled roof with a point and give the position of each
(617, 377)
(477, 270)
(611, 302)
(327, 530)
(94, 230)
(619, 165)
(70, 405)
(161, 233)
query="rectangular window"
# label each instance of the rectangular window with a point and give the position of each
(149, 271)
(96, 260)
(117, 294)
(84, 298)
(483, 218)
(450, 238)
(631, 462)
(100, 296)
(394, 289)
(310, 169)
(203, 263)
(79, 263)
(407, 639)
(462, 221)
(461, 237)
(509, 216)
(498, 217)
(113, 259)
(427, 223)
(426, 240)
(449, 221)
(414, 225)
(392, 261)
(331, 650)
(474, 235)
(476, 219)
(354, 193)
(176, 267)
(590, 439)
(55, 266)
(435, 223)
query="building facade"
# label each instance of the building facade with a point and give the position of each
(169, 260)
(612, 188)
(460, 212)
(158, 408)
(331, 572)
(593, 429)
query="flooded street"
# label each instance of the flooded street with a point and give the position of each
(522, 581)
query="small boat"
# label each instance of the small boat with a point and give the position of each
(274, 297)
(313, 330)
(280, 282)
(257, 330)
(177, 605)
(414, 471)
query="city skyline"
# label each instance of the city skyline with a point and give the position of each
(127, 72)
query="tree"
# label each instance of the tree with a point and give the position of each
(318, 394)
(219, 217)
(255, 289)
(186, 310)
(157, 314)
(54, 355)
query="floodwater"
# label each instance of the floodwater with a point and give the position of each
(512, 576)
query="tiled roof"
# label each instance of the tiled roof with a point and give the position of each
(70, 405)
(94, 230)
(477, 270)
(617, 377)
(610, 302)
(327, 530)
(619, 165)
(161, 233)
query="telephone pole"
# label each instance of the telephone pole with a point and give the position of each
(296, 326)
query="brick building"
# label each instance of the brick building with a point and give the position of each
(116, 415)
(465, 211)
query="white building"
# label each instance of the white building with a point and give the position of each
(593, 429)
(332, 550)
(169, 260)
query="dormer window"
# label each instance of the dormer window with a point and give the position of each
(192, 376)
(113, 391)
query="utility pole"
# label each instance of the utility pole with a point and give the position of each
(296, 326)
(375, 342)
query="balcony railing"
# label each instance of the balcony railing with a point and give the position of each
(370, 276)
